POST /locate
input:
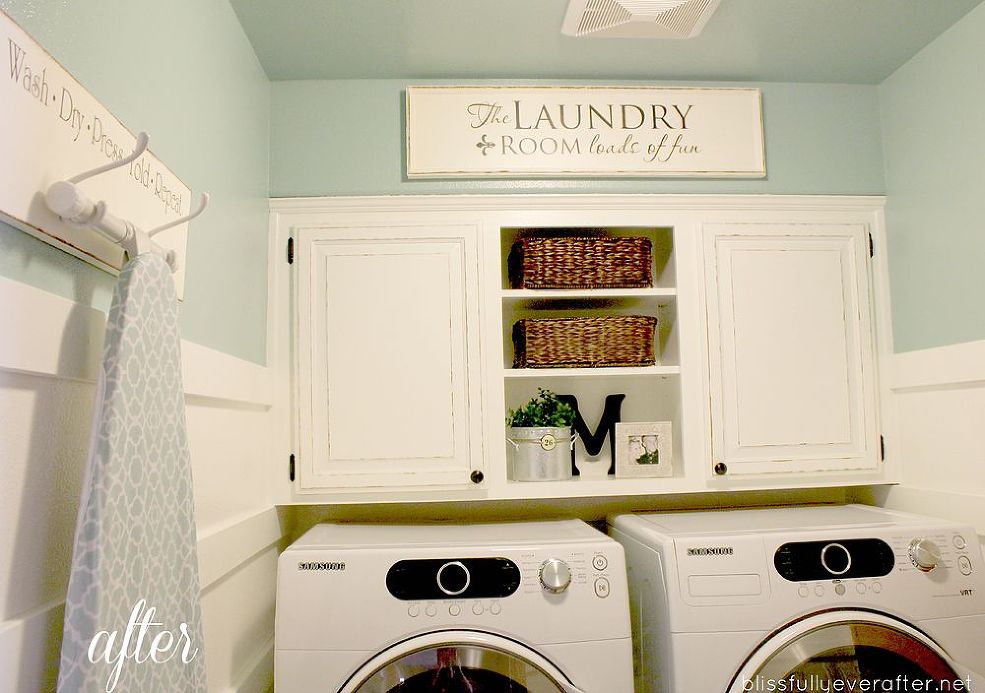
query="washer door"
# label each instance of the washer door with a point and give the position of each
(850, 646)
(458, 662)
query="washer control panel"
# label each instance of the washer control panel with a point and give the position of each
(936, 552)
(581, 571)
(453, 578)
(456, 578)
(805, 561)
(457, 589)
(937, 570)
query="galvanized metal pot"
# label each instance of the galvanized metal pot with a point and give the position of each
(540, 453)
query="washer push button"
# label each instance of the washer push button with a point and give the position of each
(600, 562)
(602, 588)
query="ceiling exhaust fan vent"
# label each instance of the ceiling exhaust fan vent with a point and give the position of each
(668, 19)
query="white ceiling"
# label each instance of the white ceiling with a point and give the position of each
(840, 41)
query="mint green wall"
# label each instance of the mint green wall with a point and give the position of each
(933, 124)
(344, 137)
(183, 71)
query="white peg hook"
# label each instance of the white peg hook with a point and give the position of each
(139, 148)
(203, 202)
(69, 203)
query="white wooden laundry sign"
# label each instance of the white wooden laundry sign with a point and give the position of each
(51, 129)
(583, 131)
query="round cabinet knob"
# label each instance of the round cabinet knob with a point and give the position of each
(555, 575)
(925, 554)
(453, 578)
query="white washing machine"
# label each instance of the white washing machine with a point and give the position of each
(539, 607)
(792, 599)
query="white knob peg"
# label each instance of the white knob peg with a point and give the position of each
(65, 200)
(555, 575)
(925, 554)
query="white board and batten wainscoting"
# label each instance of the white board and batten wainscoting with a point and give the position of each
(938, 398)
(49, 362)
(390, 340)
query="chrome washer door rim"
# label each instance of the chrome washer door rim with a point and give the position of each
(799, 642)
(472, 649)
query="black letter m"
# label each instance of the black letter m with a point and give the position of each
(593, 441)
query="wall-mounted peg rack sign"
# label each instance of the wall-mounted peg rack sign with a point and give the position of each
(53, 128)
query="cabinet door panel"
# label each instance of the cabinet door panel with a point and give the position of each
(792, 369)
(388, 324)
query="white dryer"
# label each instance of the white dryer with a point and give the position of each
(793, 599)
(516, 607)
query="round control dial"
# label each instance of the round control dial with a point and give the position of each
(836, 559)
(925, 554)
(555, 575)
(453, 578)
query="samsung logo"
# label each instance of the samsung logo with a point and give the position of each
(320, 565)
(711, 551)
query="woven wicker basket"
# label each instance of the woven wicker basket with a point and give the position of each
(580, 262)
(616, 340)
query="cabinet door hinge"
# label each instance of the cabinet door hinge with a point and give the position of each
(882, 448)
(872, 246)
(290, 467)
(290, 251)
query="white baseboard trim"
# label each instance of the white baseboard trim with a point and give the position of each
(29, 647)
(946, 366)
(258, 675)
(50, 336)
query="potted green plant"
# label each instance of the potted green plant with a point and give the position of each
(541, 438)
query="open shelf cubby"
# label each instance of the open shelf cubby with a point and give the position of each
(653, 393)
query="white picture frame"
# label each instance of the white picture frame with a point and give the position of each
(638, 444)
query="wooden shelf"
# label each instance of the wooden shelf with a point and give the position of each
(587, 294)
(590, 372)
(581, 486)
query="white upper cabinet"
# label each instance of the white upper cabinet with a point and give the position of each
(790, 340)
(392, 344)
(388, 371)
